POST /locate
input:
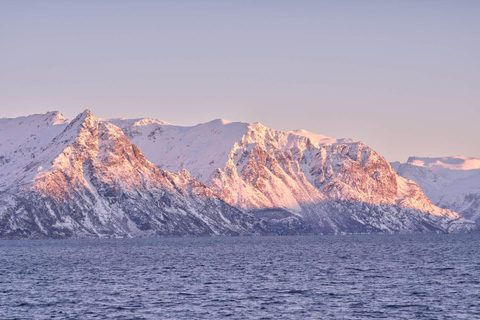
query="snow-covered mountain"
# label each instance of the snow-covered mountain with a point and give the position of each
(93, 177)
(84, 178)
(450, 182)
(287, 173)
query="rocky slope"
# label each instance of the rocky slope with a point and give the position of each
(293, 174)
(85, 178)
(108, 178)
(450, 182)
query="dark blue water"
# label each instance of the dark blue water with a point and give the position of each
(324, 277)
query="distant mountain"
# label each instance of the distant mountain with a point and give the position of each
(450, 182)
(92, 177)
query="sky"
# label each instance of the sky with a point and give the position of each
(402, 76)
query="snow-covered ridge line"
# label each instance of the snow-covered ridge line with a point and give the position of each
(451, 163)
(450, 182)
(204, 147)
(132, 177)
(224, 155)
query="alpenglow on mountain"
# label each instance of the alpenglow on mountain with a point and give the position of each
(92, 177)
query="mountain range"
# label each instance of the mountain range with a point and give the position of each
(92, 177)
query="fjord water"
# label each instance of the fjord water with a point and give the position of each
(321, 277)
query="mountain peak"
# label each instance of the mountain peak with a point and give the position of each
(56, 117)
(218, 122)
(86, 113)
(85, 116)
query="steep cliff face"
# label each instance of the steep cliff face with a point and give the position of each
(450, 182)
(99, 184)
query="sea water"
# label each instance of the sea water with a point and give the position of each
(310, 277)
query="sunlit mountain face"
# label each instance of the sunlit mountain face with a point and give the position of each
(92, 177)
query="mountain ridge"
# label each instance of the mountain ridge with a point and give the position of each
(93, 177)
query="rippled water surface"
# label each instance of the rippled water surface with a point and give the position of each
(324, 277)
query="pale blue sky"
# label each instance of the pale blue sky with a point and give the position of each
(403, 76)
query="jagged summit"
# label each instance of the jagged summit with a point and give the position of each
(252, 166)
(86, 113)
(85, 117)
(89, 180)
(58, 118)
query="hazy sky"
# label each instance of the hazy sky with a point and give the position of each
(402, 76)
